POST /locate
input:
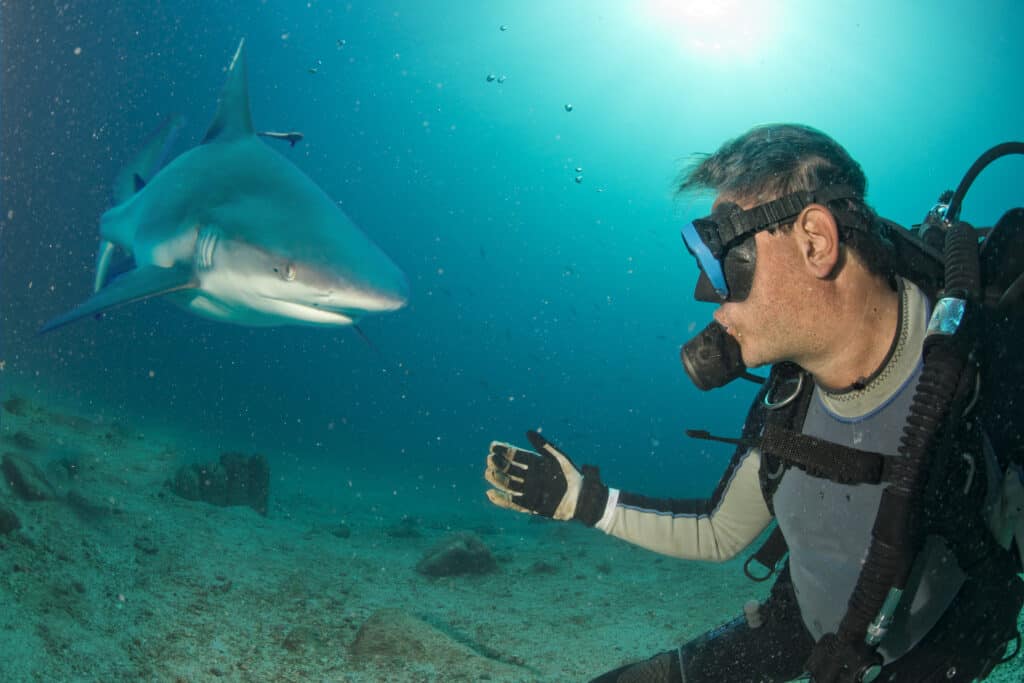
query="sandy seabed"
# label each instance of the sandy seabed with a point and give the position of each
(115, 578)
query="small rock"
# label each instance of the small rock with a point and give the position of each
(71, 467)
(8, 521)
(25, 479)
(299, 638)
(15, 405)
(87, 507)
(235, 480)
(23, 440)
(146, 545)
(542, 567)
(407, 527)
(460, 553)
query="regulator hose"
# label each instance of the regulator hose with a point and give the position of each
(952, 214)
(897, 534)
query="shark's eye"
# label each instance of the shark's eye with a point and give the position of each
(287, 272)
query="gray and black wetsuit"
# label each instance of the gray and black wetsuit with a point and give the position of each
(827, 527)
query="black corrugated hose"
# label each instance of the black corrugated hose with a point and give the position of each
(897, 532)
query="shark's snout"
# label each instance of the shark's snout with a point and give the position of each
(383, 295)
(396, 296)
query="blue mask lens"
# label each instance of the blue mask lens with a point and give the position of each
(709, 265)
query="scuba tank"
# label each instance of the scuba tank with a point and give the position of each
(980, 292)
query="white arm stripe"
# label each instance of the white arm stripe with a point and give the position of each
(740, 516)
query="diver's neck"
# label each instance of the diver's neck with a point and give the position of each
(857, 346)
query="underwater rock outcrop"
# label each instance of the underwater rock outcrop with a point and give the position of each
(236, 479)
(460, 553)
(25, 479)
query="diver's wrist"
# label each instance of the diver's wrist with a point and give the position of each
(605, 523)
(593, 497)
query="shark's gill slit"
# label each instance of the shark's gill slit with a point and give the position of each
(205, 248)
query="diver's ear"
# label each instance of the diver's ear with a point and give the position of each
(817, 238)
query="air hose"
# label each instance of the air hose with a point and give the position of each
(897, 532)
(952, 213)
(850, 654)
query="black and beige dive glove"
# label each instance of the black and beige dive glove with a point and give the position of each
(544, 483)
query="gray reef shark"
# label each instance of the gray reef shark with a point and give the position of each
(233, 231)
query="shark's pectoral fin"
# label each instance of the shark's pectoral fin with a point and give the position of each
(135, 285)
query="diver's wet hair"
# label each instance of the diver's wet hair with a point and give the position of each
(773, 160)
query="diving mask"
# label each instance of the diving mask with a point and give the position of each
(723, 243)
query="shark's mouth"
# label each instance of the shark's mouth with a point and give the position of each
(313, 314)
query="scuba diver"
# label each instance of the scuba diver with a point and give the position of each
(883, 450)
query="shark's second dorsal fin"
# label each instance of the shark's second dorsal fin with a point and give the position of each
(141, 169)
(233, 119)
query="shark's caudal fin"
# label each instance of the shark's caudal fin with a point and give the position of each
(233, 119)
(148, 161)
(135, 285)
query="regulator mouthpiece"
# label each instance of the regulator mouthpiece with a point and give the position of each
(712, 359)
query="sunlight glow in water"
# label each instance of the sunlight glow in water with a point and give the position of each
(716, 29)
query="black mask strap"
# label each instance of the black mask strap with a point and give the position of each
(736, 225)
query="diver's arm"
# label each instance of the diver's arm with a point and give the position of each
(714, 529)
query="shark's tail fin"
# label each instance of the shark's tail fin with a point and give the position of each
(148, 161)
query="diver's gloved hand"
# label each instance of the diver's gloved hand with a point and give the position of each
(544, 483)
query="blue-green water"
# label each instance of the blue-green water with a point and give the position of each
(536, 300)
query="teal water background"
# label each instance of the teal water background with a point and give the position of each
(537, 301)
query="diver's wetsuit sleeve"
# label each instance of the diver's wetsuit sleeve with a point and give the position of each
(713, 529)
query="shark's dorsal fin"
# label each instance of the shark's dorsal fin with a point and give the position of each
(233, 119)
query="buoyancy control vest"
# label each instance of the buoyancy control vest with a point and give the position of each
(959, 442)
